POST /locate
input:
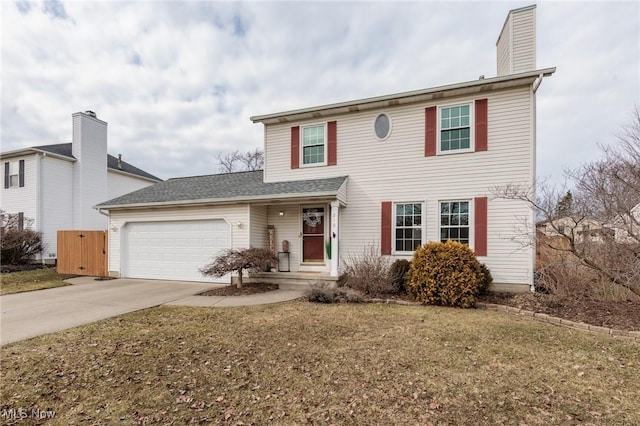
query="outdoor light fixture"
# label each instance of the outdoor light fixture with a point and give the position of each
(281, 213)
(239, 224)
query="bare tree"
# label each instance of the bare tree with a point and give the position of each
(240, 161)
(606, 192)
(237, 260)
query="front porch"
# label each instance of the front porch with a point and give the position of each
(292, 280)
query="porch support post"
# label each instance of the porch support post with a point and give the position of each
(335, 217)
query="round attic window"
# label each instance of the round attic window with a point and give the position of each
(382, 126)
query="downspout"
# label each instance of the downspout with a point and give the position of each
(534, 89)
(39, 199)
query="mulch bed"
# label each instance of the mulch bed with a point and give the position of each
(7, 269)
(247, 288)
(619, 315)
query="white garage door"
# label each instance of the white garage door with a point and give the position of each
(172, 250)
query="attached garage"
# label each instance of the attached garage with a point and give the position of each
(172, 250)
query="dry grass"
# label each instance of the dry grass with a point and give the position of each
(17, 282)
(298, 363)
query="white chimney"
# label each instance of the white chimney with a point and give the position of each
(89, 147)
(516, 46)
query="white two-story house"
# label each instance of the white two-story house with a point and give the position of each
(56, 186)
(390, 172)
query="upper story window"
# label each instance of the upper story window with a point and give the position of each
(382, 126)
(455, 128)
(313, 144)
(454, 221)
(14, 174)
(408, 227)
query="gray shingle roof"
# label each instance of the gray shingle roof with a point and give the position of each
(65, 149)
(241, 186)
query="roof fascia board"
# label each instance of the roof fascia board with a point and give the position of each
(219, 201)
(122, 172)
(30, 151)
(475, 86)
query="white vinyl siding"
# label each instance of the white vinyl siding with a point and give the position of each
(516, 46)
(57, 201)
(23, 199)
(258, 233)
(119, 219)
(396, 169)
(119, 184)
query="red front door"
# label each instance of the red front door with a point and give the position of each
(313, 234)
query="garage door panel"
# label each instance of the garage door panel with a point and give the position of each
(173, 250)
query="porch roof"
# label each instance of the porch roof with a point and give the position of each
(246, 187)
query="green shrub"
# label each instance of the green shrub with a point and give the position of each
(446, 274)
(487, 278)
(399, 270)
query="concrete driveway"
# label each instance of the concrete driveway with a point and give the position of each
(33, 313)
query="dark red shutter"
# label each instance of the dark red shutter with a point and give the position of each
(385, 229)
(21, 172)
(481, 124)
(332, 143)
(295, 147)
(430, 131)
(480, 226)
(21, 221)
(6, 175)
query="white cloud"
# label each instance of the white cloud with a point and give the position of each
(177, 82)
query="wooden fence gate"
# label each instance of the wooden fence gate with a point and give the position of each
(82, 253)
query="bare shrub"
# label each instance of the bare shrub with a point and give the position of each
(322, 292)
(368, 272)
(234, 260)
(18, 243)
(595, 227)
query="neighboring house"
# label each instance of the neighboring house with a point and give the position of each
(392, 172)
(56, 186)
(627, 227)
(581, 229)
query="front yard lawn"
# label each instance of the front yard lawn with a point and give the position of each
(16, 282)
(303, 363)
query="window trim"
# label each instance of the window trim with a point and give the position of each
(373, 126)
(423, 227)
(472, 219)
(326, 145)
(16, 174)
(472, 128)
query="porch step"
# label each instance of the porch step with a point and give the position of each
(291, 280)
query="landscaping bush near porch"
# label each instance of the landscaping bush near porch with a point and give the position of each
(447, 274)
(368, 272)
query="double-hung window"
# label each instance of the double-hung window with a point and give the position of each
(454, 221)
(314, 144)
(455, 128)
(14, 174)
(408, 226)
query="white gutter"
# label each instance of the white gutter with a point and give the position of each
(458, 89)
(218, 201)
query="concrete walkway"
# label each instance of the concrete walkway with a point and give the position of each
(34, 313)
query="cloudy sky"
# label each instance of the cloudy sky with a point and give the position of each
(178, 81)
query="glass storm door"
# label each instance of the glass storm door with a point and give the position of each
(313, 234)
